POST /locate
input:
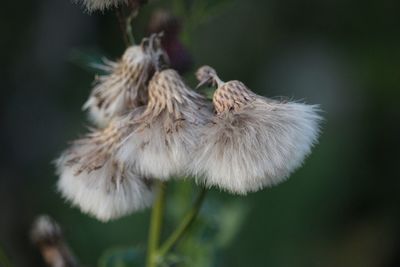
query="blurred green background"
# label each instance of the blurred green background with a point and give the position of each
(340, 209)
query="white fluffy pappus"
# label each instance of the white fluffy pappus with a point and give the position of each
(91, 178)
(160, 143)
(253, 142)
(100, 5)
(123, 88)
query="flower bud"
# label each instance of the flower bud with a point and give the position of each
(46, 234)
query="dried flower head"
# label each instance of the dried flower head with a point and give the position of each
(124, 87)
(253, 141)
(94, 5)
(160, 142)
(101, 5)
(46, 234)
(92, 178)
(45, 231)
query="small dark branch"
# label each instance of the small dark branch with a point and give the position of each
(125, 18)
(134, 7)
(121, 21)
(46, 234)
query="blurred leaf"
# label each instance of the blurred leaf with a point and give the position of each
(215, 228)
(4, 260)
(202, 11)
(172, 260)
(122, 257)
(208, 92)
(197, 12)
(231, 219)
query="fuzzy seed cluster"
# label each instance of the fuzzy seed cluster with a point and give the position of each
(149, 125)
(101, 5)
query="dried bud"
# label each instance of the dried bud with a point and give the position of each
(161, 141)
(101, 5)
(207, 76)
(46, 231)
(124, 87)
(93, 179)
(253, 142)
(47, 236)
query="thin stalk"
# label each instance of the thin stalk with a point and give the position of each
(121, 22)
(156, 225)
(128, 26)
(184, 225)
(134, 6)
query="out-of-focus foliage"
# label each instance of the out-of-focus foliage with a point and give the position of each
(122, 257)
(215, 228)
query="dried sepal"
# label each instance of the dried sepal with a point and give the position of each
(253, 141)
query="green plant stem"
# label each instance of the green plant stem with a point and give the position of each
(184, 225)
(128, 27)
(156, 225)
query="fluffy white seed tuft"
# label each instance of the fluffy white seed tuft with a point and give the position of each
(95, 181)
(101, 5)
(160, 146)
(253, 142)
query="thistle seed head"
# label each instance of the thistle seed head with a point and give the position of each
(101, 5)
(92, 178)
(252, 142)
(161, 142)
(124, 87)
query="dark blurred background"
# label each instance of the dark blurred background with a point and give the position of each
(340, 209)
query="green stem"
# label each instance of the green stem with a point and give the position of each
(128, 26)
(156, 225)
(184, 225)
